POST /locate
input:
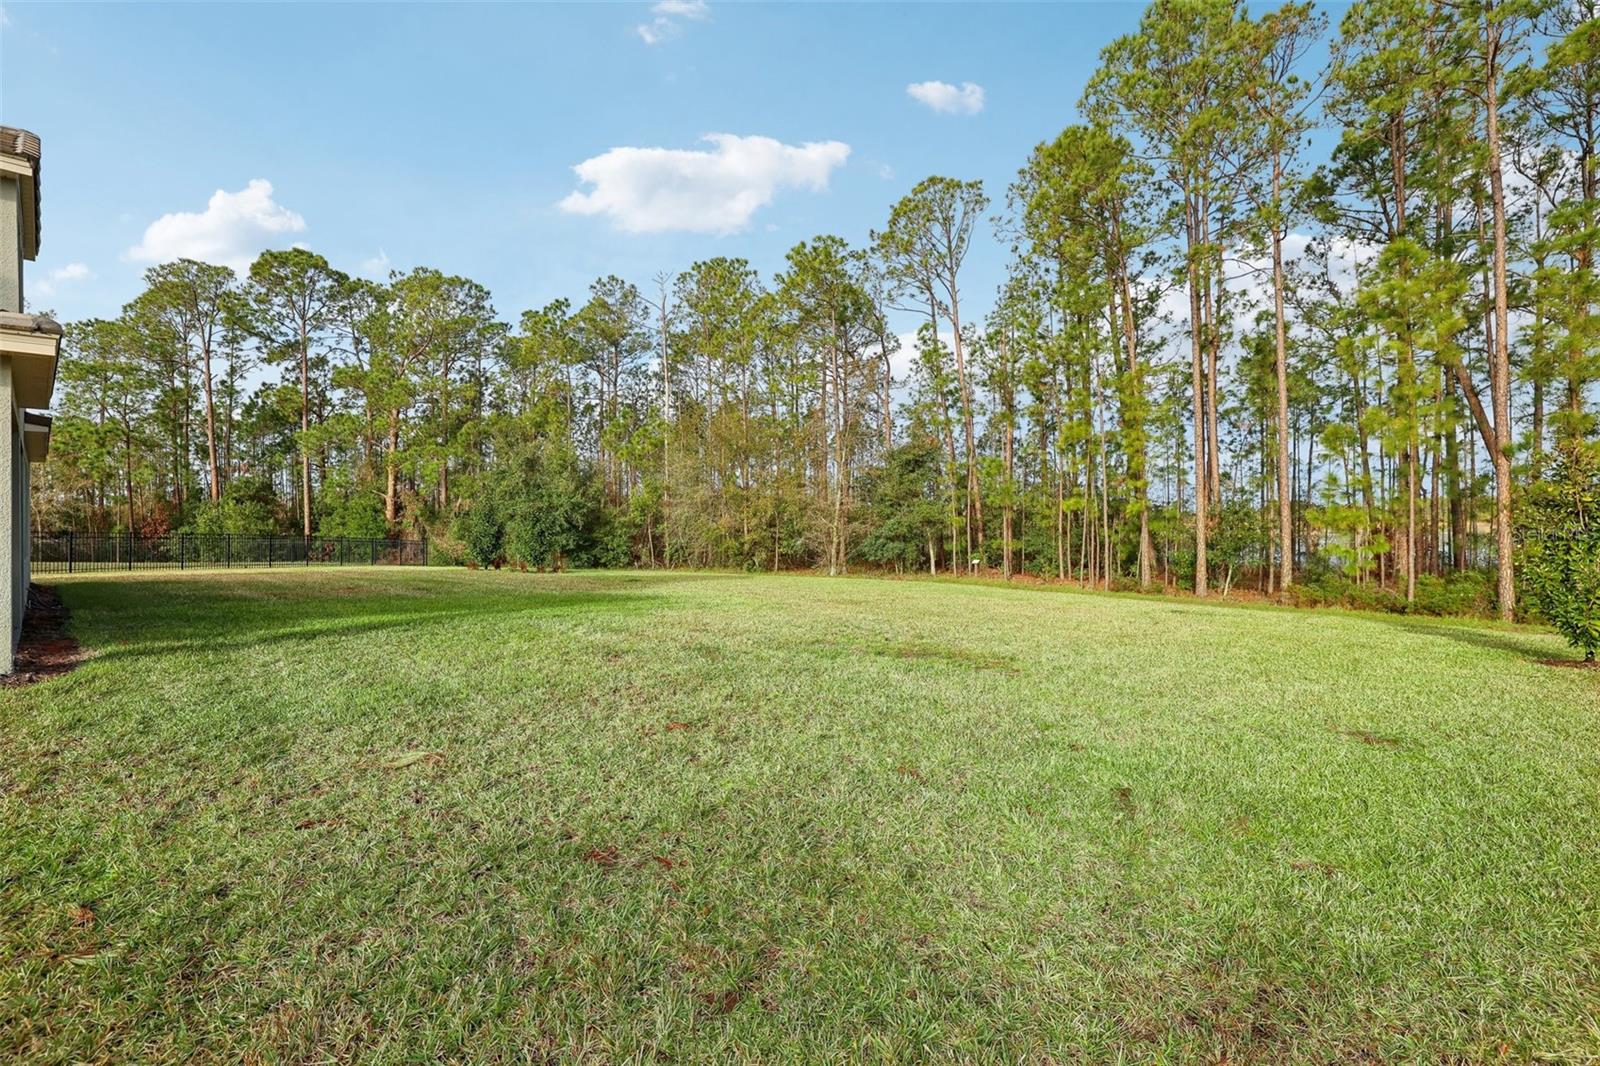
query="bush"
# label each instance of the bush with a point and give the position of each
(548, 513)
(1558, 539)
(481, 532)
(612, 540)
(445, 550)
(904, 505)
(231, 515)
(358, 514)
(1470, 593)
(1335, 590)
(542, 510)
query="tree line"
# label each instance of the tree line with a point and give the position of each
(1215, 360)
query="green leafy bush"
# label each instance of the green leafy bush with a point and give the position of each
(1558, 538)
(231, 515)
(356, 514)
(1468, 593)
(541, 511)
(481, 531)
(905, 506)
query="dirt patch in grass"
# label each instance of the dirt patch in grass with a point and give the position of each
(722, 1002)
(605, 857)
(1366, 736)
(1572, 664)
(46, 649)
(317, 823)
(975, 659)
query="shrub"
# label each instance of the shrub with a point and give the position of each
(904, 504)
(481, 532)
(541, 510)
(231, 515)
(614, 536)
(444, 549)
(544, 522)
(1470, 592)
(1558, 535)
(358, 514)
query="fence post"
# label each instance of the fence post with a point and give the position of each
(269, 551)
(70, 537)
(424, 547)
(130, 549)
(181, 538)
(227, 550)
(372, 551)
(308, 551)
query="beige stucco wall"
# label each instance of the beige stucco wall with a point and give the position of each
(13, 518)
(27, 372)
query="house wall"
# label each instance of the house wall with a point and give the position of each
(15, 476)
(13, 458)
(10, 244)
(13, 521)
(22, 519)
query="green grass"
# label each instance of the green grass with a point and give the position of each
(402, 815)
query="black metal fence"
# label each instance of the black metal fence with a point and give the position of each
(70, 553)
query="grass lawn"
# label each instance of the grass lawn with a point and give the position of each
(401, 815)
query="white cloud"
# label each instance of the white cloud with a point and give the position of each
(946, 98)
(1249, 281)
(903, 361)
(376, 266)
(1251, 276)
(1347, 258)
(689, 9)
(233, 229)
(666, 24)
(716, 190)
(62, 275)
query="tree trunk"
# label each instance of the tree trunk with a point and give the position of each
(211, 427)
(974, 495)
(1010, 453)
(1197, 373)
(127, 469)
(305, 428)
(1500, 364)
(1285, 501)
(1137, 459)
(888, 388)
(1458, 508)
(391, 462)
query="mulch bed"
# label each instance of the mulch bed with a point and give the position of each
(1576, 664)
(46, 650)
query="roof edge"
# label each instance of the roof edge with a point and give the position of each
(14, 141)
(23, 144)
(21, 322)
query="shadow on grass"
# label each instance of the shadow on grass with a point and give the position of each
(136, 619)
(1525, 645)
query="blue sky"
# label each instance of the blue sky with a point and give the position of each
(446, 135)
